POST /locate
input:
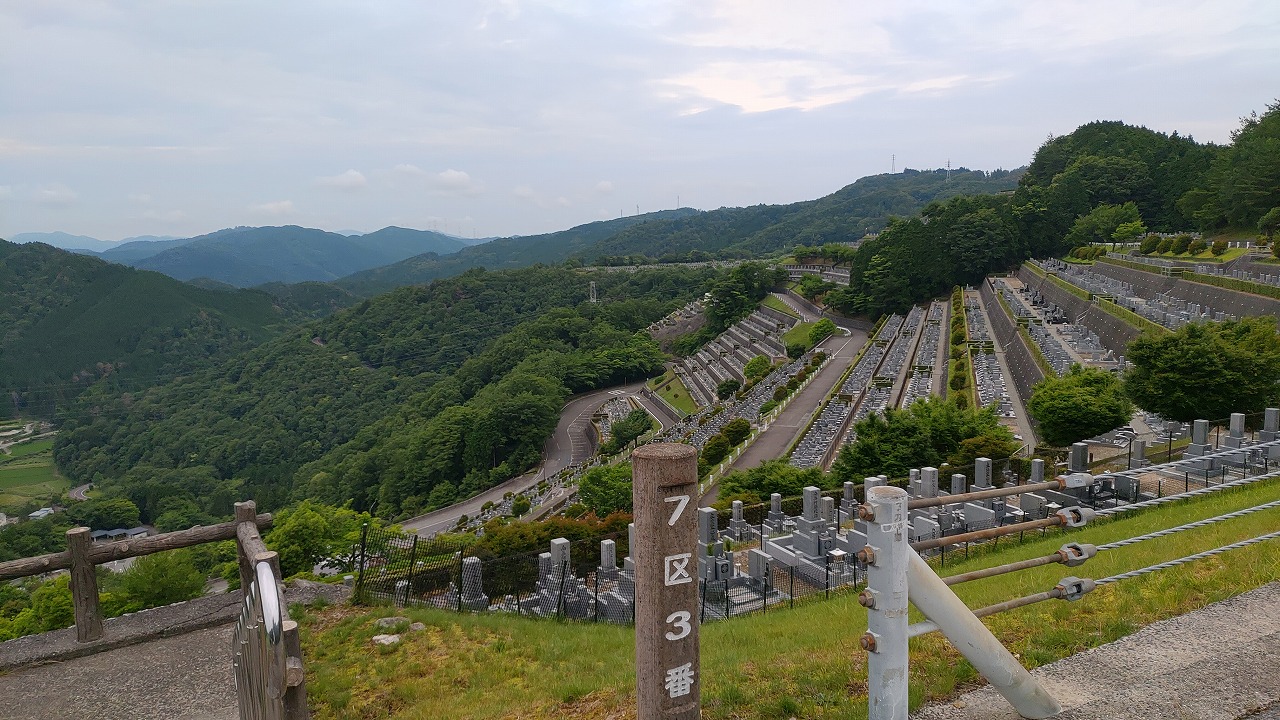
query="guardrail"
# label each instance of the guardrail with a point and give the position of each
(266, 653)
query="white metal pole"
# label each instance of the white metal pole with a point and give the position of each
(967, 633)
(886, 599)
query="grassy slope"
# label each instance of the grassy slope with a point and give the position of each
(28, 472)
(801, 663)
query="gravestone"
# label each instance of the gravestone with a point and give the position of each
(1037, 471)
(608, 569)
(1078, 459)
(776, 519)
(959, 484)
(1034, 505)
(929, 482)
(1235, 434)
(978, 517)
(738, 528)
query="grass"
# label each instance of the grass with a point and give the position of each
(773, 301)
(675, 393)
(798, 334)
(28, 474)
(28, 448)
(1206, 256)
(802, 663)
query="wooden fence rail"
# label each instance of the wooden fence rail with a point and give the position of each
(83, 555)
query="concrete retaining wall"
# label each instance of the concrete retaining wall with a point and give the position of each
(1022, 364)
(1114, 333)
(1229, 301)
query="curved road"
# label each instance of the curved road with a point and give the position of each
(572, 442)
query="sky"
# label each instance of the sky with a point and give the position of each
(503, 117)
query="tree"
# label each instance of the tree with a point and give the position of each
(716, 449)
(1127, 232)
(105, 514)
(727, 388)
(161, 579)
(821, 330)
(1081, 404)
(736, 430)
(1197, 246)
(1218, 248)
(1180, 244)
(606, 489)
(1269, 223)
(756, 368)
(1206, 370)
(927, 433)
(1149, 244)
(520, 506)
(1100, 224)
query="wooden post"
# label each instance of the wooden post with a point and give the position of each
(84, 586)
(245, 512)
(295, 696)
(665, 497)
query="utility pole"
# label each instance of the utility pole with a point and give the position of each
(893, 164)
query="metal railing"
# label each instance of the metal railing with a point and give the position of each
(266, 653)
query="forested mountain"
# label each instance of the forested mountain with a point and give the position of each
(67, 320)
(397, 404)
(132, 251)
(64, 241)
(498, 254)
(1079, 188)
(249, 256)
(687, 234)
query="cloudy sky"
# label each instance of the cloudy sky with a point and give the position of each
(121, 118)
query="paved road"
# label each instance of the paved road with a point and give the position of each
(782, 432)
(79, 493)
(572, 442)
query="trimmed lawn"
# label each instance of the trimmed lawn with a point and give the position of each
(772, 301)
(677, 394)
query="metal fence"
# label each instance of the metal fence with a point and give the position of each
(265, 654)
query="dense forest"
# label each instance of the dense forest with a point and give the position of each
(68, 320)
(1079, 187)
(398, 404)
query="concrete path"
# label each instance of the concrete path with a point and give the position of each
(188, 676)
(1217, 663)
(782, 432)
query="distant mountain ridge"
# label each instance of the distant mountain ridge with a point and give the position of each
(848, 214)
(246, 257)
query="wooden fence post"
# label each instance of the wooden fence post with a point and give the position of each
(295, 696)
(245, 512)
(84, 586)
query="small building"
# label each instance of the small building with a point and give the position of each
(119, 534)
(40, 514)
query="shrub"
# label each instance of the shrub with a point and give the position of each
(1180, 244)
(1219, 247)
(1149, 244)
(1197, 246)
(1165, 244)
(520, 506)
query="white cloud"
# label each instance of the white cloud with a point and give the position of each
(456, 182)
(408, 169)
(279, 208)
(604, 187)
(55, 194)
(349, 180)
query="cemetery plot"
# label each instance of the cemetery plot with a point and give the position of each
(1165, 309)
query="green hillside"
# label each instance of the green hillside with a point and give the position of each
(398, 404)
(68, 320)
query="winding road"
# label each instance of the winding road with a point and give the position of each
(572, 442)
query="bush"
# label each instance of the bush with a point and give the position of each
(716, 449)
(737, 430)
(768, 406)
(958, 382)
(1180, 244)
(520, 506)
(1197, 246)
(1219, 247)
(1149, 244)
(1165, 244)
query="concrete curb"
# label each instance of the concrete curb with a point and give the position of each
(152, 624)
